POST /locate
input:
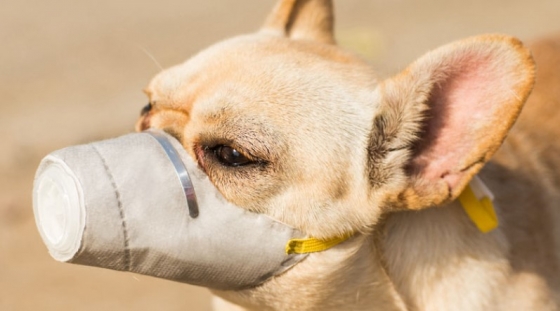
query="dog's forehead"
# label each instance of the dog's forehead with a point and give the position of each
(259, 67)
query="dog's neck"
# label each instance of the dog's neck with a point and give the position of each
(391, 269)
(421, 247)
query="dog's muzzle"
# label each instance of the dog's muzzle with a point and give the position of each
(139, 203)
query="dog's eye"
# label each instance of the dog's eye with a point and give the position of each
(230, 157)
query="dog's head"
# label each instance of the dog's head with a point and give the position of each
(287, 124)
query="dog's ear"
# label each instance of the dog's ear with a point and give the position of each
(443, 117)
(310, 20)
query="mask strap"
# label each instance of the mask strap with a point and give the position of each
(476, 200)
(312, 245)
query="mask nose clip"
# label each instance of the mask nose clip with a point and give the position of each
(180, 169)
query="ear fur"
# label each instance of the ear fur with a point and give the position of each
(446, 115)
(310, 20)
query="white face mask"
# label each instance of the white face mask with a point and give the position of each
(139, 203)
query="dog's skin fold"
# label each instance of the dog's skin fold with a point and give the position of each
(326, 147)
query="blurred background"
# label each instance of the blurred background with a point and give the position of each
(73, 71)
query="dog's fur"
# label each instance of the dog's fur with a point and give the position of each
(336, 151)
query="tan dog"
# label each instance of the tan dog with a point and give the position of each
(288, 124)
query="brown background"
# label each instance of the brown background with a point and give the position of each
(72, 71)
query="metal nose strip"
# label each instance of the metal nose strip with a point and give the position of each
(180, 169)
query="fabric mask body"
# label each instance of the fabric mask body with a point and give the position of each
(120, 204)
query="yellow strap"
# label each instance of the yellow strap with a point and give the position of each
(481, 212)
(312, 245)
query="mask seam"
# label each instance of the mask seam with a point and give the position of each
(120, 208)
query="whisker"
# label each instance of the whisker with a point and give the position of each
(150, 56)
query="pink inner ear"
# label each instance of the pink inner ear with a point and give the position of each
(464, 116)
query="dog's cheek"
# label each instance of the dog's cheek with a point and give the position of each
(250, 187)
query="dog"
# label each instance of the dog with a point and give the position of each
(287, 124)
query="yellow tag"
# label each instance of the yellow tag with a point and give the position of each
(312, 245)
(481, 212)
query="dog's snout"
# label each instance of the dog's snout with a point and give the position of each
(146, 109)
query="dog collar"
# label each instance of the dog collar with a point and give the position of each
(476, 200)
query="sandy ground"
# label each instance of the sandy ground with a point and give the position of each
(73, 71)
